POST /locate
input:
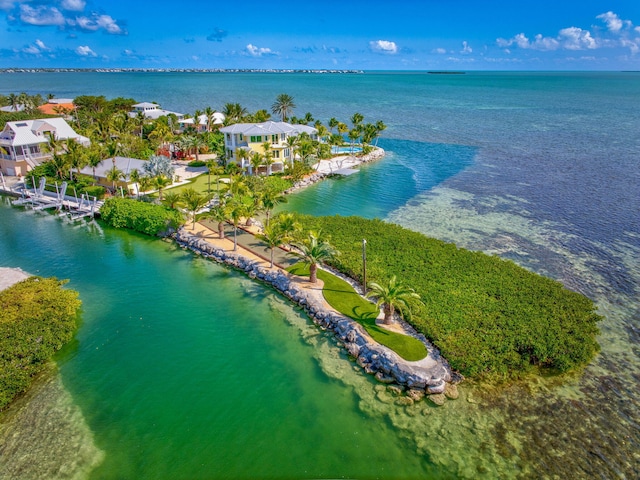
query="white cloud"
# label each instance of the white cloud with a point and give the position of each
(614, 23)
(41, 45)
(575, 38)
(466, 49)
(85, 51)
(41, 16)
(383, 46)
(31, 49)
(521, 41)
(631, 45)
(75, 5)
(439, 51)
(258, 51)
(96, 22)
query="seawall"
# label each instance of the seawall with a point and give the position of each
(432, 376)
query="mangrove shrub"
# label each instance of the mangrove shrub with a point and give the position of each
(37, 317)
(489, 316)
(142, 217)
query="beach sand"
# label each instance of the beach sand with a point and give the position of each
(10, 276)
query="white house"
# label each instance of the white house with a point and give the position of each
(22, 143)
(252, 136)
(218, 119)
(152, 111)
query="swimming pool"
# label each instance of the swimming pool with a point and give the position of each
(336, 150)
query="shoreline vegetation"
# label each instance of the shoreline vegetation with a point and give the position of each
(37, 318)
(177, 70)
(492, 319)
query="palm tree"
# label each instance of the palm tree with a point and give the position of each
(392, 296)
(144, 183)
(115, 175)
(139, 120)
(313, 251)
(234, 113)
(356, 119)
(159, 182)
(269, 199)
(267, 156)
(283, 106)
(134, 177)
(273, 236)
(289, 225)
(194, 201)
(210, 113)
(172, 199)
(95, 155)
(333, 123)
(76, 155)
(14, 101)
(380, 126)
(235, 210)
(292, 142)
(219, 214)
(256, 161)
(353, 136)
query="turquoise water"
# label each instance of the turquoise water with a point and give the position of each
(348, 150)
(539, 168)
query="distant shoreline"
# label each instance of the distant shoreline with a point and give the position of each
(177, 70)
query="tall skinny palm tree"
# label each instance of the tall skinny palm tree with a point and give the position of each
(314, 251)
(283, 106)
(273, 236)
(394, 295)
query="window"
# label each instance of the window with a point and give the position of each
(241, 137)
(276, 154)
(256, 138)
(274, 138)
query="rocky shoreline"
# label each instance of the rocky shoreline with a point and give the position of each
(410, 381)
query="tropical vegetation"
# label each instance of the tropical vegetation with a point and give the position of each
(342, 297)
(142, 217)
(37, 318)
(490, 317)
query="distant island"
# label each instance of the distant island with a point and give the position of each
(174, 70)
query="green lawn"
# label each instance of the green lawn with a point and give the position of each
(200, 184)
(341, 296)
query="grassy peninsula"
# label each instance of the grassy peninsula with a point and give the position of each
(490, 318)
(37, 317)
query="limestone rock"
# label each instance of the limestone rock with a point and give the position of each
(451, 391)
(437, 399)
(404, 401)
(415, 395)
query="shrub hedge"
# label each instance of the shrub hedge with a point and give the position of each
(142, 217)
(37, 317)
(490, 317)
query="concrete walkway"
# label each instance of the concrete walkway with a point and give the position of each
(251, 247)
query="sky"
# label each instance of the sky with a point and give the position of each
(360, 34)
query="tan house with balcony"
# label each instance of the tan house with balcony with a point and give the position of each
(23, 143)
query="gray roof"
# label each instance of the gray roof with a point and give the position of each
(125, 164)
(268, 128)
(31, 132)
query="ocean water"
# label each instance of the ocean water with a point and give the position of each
(541, 168)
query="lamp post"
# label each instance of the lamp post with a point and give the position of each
(364, 266)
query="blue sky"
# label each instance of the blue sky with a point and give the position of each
(360, 34)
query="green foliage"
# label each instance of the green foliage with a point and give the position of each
(142, 217)
(197, 163)
(97, 191)
(489, 317)
(341, 296)
(298, 170)
(37, 317)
